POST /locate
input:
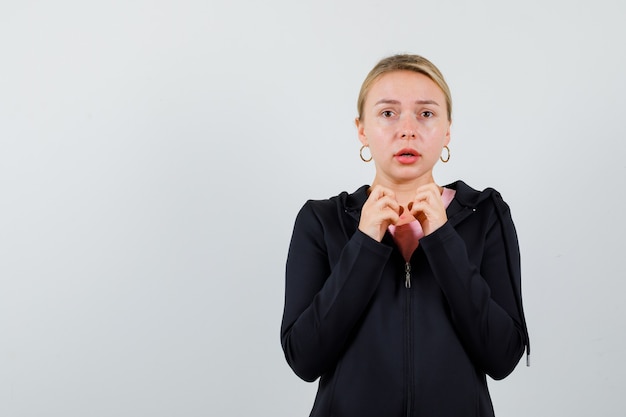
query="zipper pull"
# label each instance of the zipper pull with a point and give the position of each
(407, 276)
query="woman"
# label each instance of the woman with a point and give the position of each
(402, 296)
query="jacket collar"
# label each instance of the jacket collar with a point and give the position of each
(465, 195)
(354, 202)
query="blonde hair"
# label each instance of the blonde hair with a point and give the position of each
(404, 62)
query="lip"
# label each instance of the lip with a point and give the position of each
(407, 152)
(407, 156)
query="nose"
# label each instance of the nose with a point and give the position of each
(408, 127)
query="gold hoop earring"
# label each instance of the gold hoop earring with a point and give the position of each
(361, 154)
(448, 158)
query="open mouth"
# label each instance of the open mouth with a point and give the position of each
(407, 156)
(407, 153)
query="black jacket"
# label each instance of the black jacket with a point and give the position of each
(391, 338)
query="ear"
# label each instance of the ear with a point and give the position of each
(360, 128)
(446, 140)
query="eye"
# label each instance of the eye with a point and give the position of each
(427, 114)
(386, 113)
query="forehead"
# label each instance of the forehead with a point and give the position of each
(407, 85)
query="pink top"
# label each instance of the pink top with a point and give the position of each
(407, 236)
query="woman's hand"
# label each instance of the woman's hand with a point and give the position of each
(379, 211)
(427, 207)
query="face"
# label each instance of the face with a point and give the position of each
(405, 125)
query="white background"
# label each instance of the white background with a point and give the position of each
(154, 154)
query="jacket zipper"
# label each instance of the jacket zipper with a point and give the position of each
(409, 340)
(407, 275)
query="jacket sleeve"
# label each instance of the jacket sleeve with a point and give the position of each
(484, 300)
(324, 302)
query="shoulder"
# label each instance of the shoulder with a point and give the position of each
(331, 219)
(343, 201)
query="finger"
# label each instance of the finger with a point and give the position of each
(381, 212)
(419, 208)
(430, 192)
(430, 217)
(379, 192)
(428, 206)
(421, 201)
(390, 216)
(386, 202)
(387, 205)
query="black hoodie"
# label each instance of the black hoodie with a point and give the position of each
(388, 337)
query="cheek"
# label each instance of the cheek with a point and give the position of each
(379, 141)
(437, 136)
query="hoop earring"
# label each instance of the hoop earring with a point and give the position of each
(361, 154)
(448, 158)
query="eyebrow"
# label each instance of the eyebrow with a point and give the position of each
(391, 101)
